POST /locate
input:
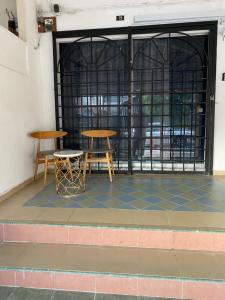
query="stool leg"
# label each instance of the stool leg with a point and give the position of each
(46, 169)
(112, 165)
(109, 166)
(85, 166)
(90, 164)
(36, 168)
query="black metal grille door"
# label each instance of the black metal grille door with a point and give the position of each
(153, 89)
(94, 92)
(169, 102)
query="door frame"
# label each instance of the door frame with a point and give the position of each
(210, 26)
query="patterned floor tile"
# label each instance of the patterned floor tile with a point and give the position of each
(194, 206)
(189, 195)
(98, 205)
(141, 193)
(139, 203)
(72, 205)
(163, 194)
(167, 205)
(154, 207)
(151, 191)
(127, 197)
(114, 203)
(206, 200)
(87, 202)
(179, 200)
(126, 206)
(211, 209)
(174, 190)
(183, 208)
(153, 199)
(128, 189)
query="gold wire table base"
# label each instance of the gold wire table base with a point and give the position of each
(68, 174)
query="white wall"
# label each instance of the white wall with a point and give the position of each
(21, 109)
(13, 52)
(219, 140)
(99, 14)
(219, 152)
(11, 5)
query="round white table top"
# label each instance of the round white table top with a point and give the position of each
(68, 153)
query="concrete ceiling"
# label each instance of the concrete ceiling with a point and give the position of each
(78, 5)
(121, 3)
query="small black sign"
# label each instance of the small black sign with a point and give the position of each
(120, 18)
(223, 76)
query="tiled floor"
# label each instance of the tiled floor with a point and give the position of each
(9, 293)
(14, 209)
(153, 193)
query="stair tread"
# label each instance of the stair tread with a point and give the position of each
(114, 260)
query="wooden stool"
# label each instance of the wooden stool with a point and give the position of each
(94, 155)
(45, 157)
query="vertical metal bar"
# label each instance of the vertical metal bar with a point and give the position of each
(191, 145)
(186, 111)
(62, 85)
(130, 91)
(87, 125)
(55, 79)
(163, 104)
(89, 103)
(107, 97)
(91, 50)
(152, 135)
(120, 129)
(183, 120)
(173, 105)
(98, 104)
(171, 101)
(70, 108)
(171, 97)
(170, 121)
(141, 123)
(194, 116)
(210, 107)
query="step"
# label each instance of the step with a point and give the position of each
(156, 238)
(125, 271)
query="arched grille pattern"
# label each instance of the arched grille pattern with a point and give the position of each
(169, 102)
(153, 89)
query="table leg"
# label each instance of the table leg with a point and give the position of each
(85, 166)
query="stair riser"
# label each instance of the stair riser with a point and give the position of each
(118, 237)
(107, 284)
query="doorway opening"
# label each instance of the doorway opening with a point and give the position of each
(154, 85)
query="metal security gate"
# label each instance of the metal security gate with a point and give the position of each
(170, 74)
(93, 92)
(154, 86)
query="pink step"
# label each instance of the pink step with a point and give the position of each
(179, 274)
(113, 284)
(113, 236)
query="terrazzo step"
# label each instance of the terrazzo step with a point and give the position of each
(152, 238)
(109, 270)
